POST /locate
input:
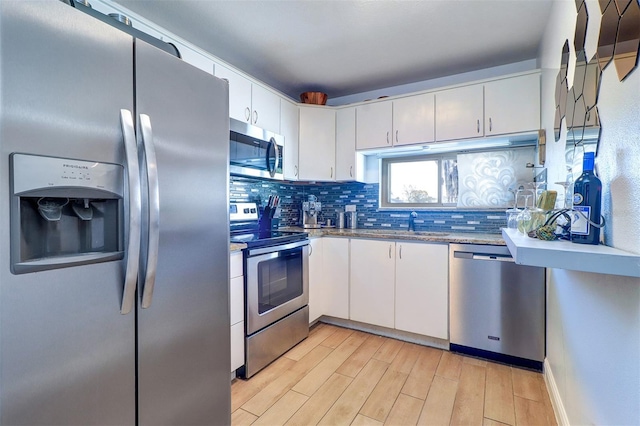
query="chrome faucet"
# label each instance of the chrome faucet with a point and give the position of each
(412, 223)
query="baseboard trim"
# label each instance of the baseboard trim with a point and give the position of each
(556, 401)
(387, 332)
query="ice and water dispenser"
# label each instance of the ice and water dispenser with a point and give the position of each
(64, 212)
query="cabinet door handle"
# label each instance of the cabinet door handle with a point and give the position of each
(295, 170)
(397, 136)
(490, 124)
(331, 173)
(247, 113)
(389, 251)
(400, 252)
(387, 138)
(351, 171)
(255, 117)
(310, 250)
(478, 126)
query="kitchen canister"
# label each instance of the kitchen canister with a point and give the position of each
(340, 220)
(353, 220)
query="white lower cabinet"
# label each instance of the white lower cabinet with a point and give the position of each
(422, 275)
(316, 277)
(400, 285)
(236, 310)
(335, 283)
(372, 286)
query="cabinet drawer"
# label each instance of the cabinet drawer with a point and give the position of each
(236, 300)
(237, 346)
(236, 265)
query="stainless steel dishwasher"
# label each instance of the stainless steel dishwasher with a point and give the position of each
(497, 308)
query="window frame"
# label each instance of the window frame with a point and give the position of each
(383, 204)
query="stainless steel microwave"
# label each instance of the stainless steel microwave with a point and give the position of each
(255, 152)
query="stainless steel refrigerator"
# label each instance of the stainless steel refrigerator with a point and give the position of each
(113, 227)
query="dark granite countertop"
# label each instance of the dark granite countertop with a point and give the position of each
(384, 234)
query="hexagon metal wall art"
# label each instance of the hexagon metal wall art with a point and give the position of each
(628, 40)
(592, 83)
(621, 5)
(581, 28)
(618, 41)
(608, 33)
(561, 90)
(604, 4)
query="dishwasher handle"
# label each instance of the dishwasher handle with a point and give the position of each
(479, 256)
(493, 257)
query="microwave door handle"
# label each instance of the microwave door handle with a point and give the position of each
(135, 211)
(278, 157)
(154, 210)
(272, 144)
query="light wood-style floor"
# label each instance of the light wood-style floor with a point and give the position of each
(339, 376)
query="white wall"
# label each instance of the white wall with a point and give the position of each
(593, 320)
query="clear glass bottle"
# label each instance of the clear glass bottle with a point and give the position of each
(587, 199)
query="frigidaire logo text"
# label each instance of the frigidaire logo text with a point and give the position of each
(75, 166)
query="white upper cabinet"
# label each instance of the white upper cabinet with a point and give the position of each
(403, 121)
(346, 163)
(289, 128)
(414, 119)
(317, 143)
(250, 102)
(512, 105)
(239, 93)
(266, 108)
(374, 125)
(460, 113)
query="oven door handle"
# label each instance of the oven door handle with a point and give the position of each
(273, 249)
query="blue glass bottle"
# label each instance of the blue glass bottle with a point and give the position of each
(587, 199)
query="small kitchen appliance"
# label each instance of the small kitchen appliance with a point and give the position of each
(310, 211)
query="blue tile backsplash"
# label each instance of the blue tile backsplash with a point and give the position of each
(335, 196)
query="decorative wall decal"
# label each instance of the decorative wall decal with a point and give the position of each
(571, 104)
(618, 41)
(556, 125)
(581, 29)
(622, 5)
(564, 60)
(591, 83)
(607, 38)
(604, 4)
(628, 40)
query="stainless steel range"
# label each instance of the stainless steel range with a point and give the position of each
(276, 286)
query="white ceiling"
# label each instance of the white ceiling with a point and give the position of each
(343, 47)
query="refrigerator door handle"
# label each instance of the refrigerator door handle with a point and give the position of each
(154, 210)
(135, 211)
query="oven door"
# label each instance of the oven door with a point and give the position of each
(277, 283)
(254, 152)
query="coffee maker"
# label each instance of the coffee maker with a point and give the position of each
(310, 211)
